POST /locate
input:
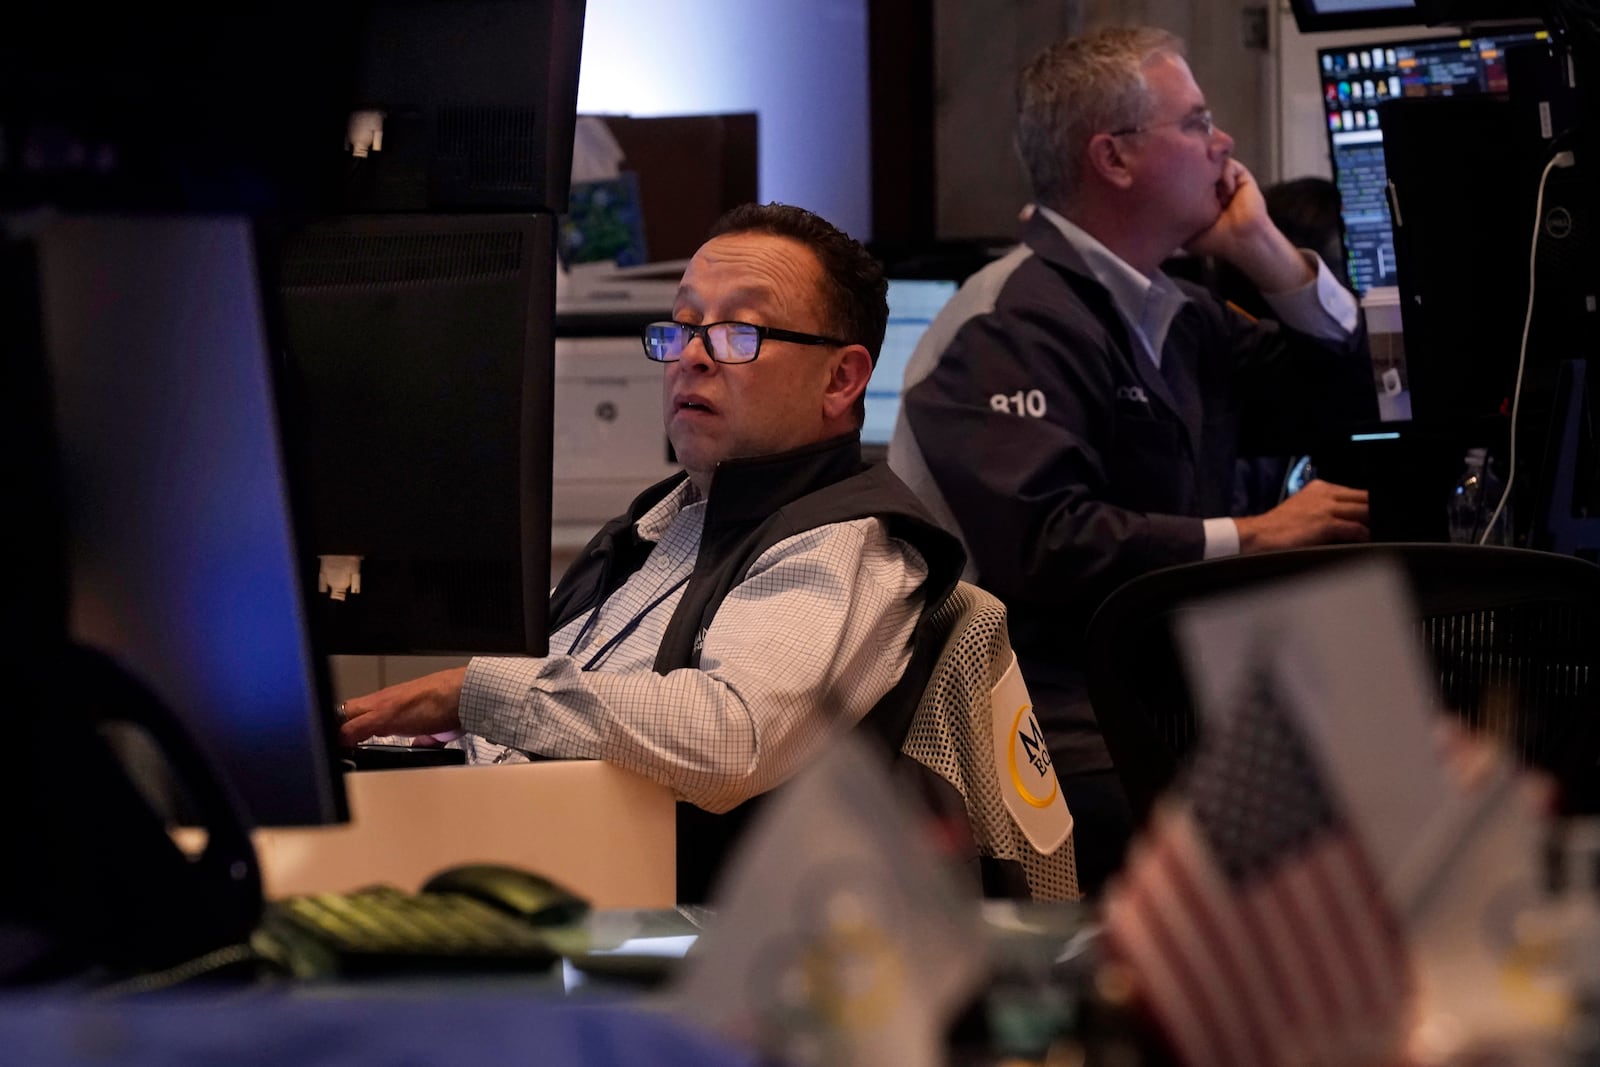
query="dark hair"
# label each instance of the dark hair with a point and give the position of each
(1309, 212)
(855, 294)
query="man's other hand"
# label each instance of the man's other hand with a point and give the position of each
(1321, 513)
(423, 706)
(1241, 215)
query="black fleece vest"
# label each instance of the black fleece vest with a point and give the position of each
(753, 505)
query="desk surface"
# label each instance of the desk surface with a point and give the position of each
(599, 830)
(265, 1030)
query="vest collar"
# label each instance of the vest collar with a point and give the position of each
(749, 490)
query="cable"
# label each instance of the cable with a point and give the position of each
(1560, 159)
(215, 960)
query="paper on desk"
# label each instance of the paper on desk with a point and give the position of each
(840, 938)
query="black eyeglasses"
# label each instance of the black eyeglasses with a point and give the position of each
(1200, 123)
(725, 342)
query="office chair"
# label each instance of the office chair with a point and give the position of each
(1513, 637)
(951, 735)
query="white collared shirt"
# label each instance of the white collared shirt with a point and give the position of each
(1147, 305)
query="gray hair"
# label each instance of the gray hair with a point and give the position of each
(1076, 88)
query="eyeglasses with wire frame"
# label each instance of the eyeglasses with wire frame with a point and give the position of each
(725, 342)
(1200, 122)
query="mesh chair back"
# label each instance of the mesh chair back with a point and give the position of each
(952, 735)
(1513, 636)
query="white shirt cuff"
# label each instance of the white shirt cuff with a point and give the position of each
(1322, 307)
(1222, 538)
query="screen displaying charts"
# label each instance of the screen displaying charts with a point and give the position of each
(1355, 80)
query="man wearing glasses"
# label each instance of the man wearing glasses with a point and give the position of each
(1076, 413)
(716, 634)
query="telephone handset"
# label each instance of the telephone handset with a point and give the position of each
(96, 878)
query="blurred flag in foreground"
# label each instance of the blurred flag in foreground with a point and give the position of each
(1251, 914)
(840, 938)
(1264, 916)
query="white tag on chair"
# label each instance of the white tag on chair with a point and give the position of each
(1022, 763)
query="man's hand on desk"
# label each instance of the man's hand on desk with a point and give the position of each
(1321, 513)
(418, 708)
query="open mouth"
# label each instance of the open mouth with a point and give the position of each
(693, 403)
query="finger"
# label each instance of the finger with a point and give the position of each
(1351, 531)
(1343, 492)
(1350, 512)
(357, 728)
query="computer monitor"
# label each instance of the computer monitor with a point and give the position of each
(1356, 79)
(478, 100)
(248, 107)
(228, 108)
(913, 303)
(416, 377)
(179, 537)
(1317, 15)
(1473, 12)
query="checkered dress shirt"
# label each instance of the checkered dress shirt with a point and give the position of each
(815, 635)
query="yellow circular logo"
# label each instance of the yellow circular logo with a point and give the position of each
(1031, 741)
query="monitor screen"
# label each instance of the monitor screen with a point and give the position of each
(416, 377)
(1315, 15)
(913, 303)
(1355, 80)
(179, 540)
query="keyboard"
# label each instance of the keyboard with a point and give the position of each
(398, 757)
(382, 930)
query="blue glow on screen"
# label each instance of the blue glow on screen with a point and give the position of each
(179, 528)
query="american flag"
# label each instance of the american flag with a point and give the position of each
(1249, 915)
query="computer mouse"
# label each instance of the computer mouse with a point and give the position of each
(528, 896)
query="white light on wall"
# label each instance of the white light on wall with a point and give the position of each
(801, 65)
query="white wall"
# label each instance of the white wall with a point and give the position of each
(801, 65)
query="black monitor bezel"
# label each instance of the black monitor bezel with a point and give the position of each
(1310, 19)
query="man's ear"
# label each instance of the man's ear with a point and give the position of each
(1106, 159)
(847, 381)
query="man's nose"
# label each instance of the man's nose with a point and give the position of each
(696, 355)
(1224, 141)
